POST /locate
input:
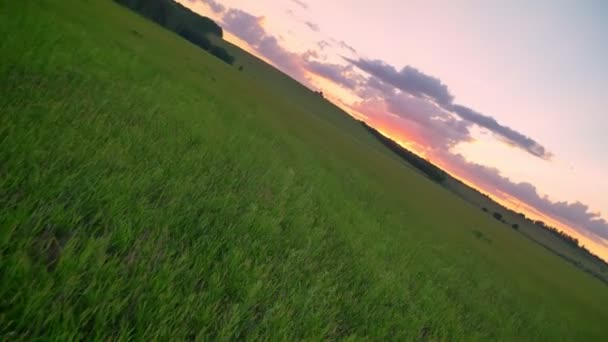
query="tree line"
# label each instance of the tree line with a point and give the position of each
(181, 20)
(428, 168)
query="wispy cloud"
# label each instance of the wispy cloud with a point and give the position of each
(511, 135)
(419, 84)
(249, 28)
(246, 26)
(312, 26)
(347, 47)
(322, 44)
(340, 74)
(300, 3)
(409, 80)
(429, 126)
(214, 5)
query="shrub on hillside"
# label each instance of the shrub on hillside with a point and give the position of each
(497, 216)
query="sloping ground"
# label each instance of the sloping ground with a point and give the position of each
(149, 190)
(584, 261)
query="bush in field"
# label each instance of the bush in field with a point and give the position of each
(497, 216)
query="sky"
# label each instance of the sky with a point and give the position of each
(509, 96)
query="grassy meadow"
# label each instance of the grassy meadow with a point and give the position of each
(540, 235)
(149, 191)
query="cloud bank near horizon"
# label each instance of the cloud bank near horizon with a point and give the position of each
(416, 83)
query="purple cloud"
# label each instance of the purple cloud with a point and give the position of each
(426, 124)
(511, 135)
(323, 44)
(419, 84)
(314, 27)
(345, 46)
(214, 5)
(244, 25)
(373, 88)
(249, 28)
(286, 61)
(339, 74)
(446, 130)
(409, 79)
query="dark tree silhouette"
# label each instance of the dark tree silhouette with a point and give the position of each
(497, 216)
(428, 168)
(181, 20)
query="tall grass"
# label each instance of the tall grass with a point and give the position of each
(150, 191)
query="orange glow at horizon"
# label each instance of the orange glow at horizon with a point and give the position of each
(331, 89)
(406, 140)
(229, 37)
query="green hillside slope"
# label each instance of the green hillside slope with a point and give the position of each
(150, 191)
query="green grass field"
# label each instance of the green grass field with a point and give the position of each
(151, 191)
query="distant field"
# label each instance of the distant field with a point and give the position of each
(538, 234)
(150, 191)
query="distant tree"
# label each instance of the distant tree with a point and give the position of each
(241, 68)
(515, 226)
(497, 216)
(181, 20)
(485, 210)
(196, 38)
